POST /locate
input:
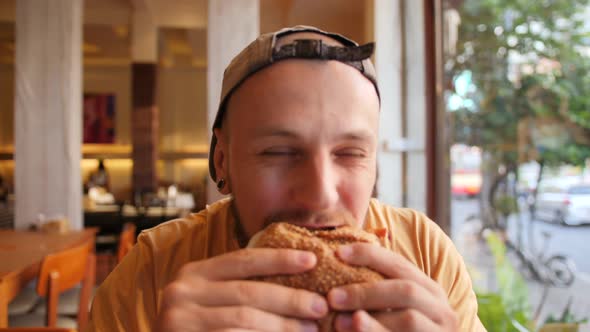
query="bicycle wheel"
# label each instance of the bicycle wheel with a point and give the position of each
(560, 271)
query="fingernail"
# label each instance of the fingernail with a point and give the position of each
(338, 296)
(344, 251)
(309, 327)
(306, 259)
(319, 306)
(344, 322)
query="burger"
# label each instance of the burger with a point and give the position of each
(329, 271)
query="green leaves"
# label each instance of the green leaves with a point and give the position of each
(526, 59)
(504, 310)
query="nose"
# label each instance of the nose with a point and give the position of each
(316, 181)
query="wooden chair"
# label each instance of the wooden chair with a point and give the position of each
(60, 272)
(126, 240)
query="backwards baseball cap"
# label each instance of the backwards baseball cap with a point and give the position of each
(265, 50)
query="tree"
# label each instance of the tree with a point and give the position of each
(521, 60)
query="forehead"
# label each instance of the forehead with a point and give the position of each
(295, 85)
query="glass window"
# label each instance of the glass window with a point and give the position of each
(516, 79)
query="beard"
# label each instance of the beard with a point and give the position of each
(239, 231)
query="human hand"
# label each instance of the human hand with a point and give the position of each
(212, 295)
(407, 300)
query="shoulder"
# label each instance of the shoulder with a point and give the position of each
(399, 219)
(412, 234)
(191, 231)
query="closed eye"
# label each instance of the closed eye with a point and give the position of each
(351, 153)
(279, 152)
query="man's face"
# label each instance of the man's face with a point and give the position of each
(300, 140)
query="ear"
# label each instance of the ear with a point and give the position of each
(220, 159)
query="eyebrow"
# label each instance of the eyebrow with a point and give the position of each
(357, 135)
(272, 132)
(360, 135)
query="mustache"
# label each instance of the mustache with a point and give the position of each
(303, 216)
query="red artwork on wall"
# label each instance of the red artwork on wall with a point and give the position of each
(99, 118)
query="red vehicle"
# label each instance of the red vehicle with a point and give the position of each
(466, 176)
(466, 182)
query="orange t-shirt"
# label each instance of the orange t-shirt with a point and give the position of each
(129, 299)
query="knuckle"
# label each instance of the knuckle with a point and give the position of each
(358, 250)
(245, 317)
(357, 295)
(409, 319)
(295, 301)
(244, 256)
(299, 301)
(175, 289)
(245, 292)
(408, 289)
(188, 270)
(245, 260)
(452, 319)
(442, 293)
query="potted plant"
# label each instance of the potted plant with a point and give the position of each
(566, 323)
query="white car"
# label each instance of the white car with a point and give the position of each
(569, 205)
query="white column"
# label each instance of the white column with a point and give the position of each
(48, 117)
(232, 25)
(144, 41)
(415, 108)
(388, 63)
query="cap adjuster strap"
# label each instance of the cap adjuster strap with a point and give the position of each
(316, 49)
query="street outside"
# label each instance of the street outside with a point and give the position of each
(573, 242)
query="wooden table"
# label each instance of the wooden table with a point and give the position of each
(130, 211)
(21, 253)
(109, 219)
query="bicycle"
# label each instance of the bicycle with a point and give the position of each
(557, 270)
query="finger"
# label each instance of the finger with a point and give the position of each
(404, 321)
(360, 321)
(388, 263)
(283, 300)
(252, 262)
(401, 294)
(249, 318)
(234, 330)
(343, 323)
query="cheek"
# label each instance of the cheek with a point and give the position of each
(270, 188)
(355, 193)
(257, 193)
(264, 185)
